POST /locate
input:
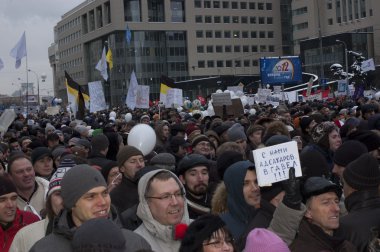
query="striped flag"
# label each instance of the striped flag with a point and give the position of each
(76, 96)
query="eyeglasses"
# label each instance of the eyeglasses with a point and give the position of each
(219, 243)
(168, 196)
(204, 144)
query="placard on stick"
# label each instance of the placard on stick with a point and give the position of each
(235, 109)
(273, 163)
(220, 99)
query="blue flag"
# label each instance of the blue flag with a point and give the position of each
(128, 35)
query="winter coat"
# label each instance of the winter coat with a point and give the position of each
(160, 237)
(21, 219)
(29, 235)
(64, 230)
(124, 195)
(312, 238)
(363, 214)
(37, 202)
(219, 199)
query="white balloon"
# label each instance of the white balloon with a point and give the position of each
(239, 93)
(112, 114)
(219, 91)
(252, 111)
(179, 109)
(244, 100)
(128, 117)
(227, 91)
(142, 137)
(112, 118)
(204, 114)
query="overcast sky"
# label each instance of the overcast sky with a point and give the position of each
(37, 18)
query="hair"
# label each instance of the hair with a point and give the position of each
(49, 208)
(227, 146)
(223, 231)
(15, 157)
(161, 176)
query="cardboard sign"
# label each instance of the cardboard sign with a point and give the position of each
(273, 163)
(220, 99)
(235, 109)
(52, 110)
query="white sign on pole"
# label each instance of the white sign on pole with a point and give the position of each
(6, 119)
(368, 65)
(174, 97)
(277, 89)
(263, 93)
(235, 88)
(274, 100)
(142, 99)
(309, 87)
(220, 99)
(317, 96)
(342, 87)
(97, 99)
(273, 163)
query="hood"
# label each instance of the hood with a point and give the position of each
(143, 212)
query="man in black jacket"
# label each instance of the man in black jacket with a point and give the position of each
(361, 188)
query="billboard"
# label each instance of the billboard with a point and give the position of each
(280, 70)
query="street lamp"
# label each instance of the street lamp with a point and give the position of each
(346, 59)
(43, 77)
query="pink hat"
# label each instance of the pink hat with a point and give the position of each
(263, 240)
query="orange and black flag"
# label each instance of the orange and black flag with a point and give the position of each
(166, 84)
(76, 96)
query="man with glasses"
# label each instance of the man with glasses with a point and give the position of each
(201, 145)
(162, 207)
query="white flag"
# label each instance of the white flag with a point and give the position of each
(19, 51)
(102, 65)
(368, 65)
(1, 64)
(132, 92)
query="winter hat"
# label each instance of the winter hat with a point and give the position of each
(191, 161)
(49, 127)
(72, 142)
(226, 159)
(174, 129)
(99, 142)
(105, 170)
(81, 129)
(363, 173)
(236, 132)
(125, 153)
(58, 151)
(144, 116)
(314, 164)
(6, 185)
(348, 152)
(305, 122)
(56, 179)
(263, 240)
(177, 141)
(277, 139)
(163, 161)
(321, 131)
(314, 186)
(199, 231)
(77, 181)
(83, 143)
(199, 138)
(192, 130)
(98, 234)
(39, 153)
(221, 129)
(369, 138)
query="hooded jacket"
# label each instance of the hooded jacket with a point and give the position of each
(160, 237)
(64, 230)
(239, 212)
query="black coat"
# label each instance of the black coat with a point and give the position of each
(363, 213)
(124, 195)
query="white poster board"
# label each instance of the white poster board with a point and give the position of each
(174, 98)
(263, 93)
(6, 119)
(317, 96)
(235, 88)
(52, 110)
(142, 99)
(220, 99)
(273, 163)
(97, 99)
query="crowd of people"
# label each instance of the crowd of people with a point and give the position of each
(77, 185)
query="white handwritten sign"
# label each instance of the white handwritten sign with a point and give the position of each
(174, 98)
(97, 99)
(263, 93)
(142, 98)
(220, 99)
(273, 163)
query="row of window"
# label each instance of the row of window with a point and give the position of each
(234, 34)
(71, 64)
(96, 18)
(227, 63)
(232, 5)
(76, 75)
(69, 38)
(68, 25)
(69, 51)
(233, 20)
(235, 48)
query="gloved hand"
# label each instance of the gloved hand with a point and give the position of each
(293, 197)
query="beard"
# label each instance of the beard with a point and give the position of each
(197, 190)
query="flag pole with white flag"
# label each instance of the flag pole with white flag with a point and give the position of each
(132, 91)
(102, 65)
(1, 64)
(19, 51)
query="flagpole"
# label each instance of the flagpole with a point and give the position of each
(27, 83)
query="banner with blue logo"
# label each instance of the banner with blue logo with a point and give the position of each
(280, 70)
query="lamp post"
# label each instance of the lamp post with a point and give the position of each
(43, 77)
(346, 61)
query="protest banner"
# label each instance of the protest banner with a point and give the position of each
(235, 109)
(263, 93)
(174, 98)
(235, 88)
(273, 163)
(6, 119)
(97, 99)
(142, 97)
(220, 99)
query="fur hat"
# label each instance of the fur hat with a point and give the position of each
(363, 173)
(77, 181)
(226, 159)
(348, 152)
(322, 130)
(305, 122)
(125, 153)
(369, 138)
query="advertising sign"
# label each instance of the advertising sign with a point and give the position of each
(280, 70)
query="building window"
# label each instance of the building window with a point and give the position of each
(300, 26)
(260, 6)
(300, 11)
(219, 49)
(243, 5)
(270, 34)
(261, 20)
(330, 21)
(255, 62)
(226, 4)
(246, 63)
(244, 34)
(178, 10)
(269, 20)
(208, 19)
(216, 4)
(219, 63)
(132, 10)
(210, 49)
(237, 48)
(226, 19)
(210, 63)
(235, 19)
(218, 34)
(268, 6)
(228, 63)
(252, 6)
(234, 5)
(156, 11)
(217, 19)
(201, 64)
(199, 34)
(263, 48)
(207, 4)
(227, 34)
(208, 34)
(198, 19)
(227, 49)
(262, 34)
(237, 63)
(253, 34)
(271, 48)
(254, 48)
(329, 4)
(197, 4)
(244, 20)
(200, 49)
(91, 21)
(236, 34)
(252, 20)
(245, 48)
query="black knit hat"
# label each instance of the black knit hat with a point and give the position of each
(314, 164)
(39, 153)
(125, 153)
(200, 230)
(315, 186)
(305, 122)
(363, 173)
(98, 234)
(226, 159)
(6, 185)
(191, 161)
(369, 138)
(99, 142)
(348, 152)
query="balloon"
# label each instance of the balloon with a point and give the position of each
(239, 93)
(112, 119)
(128, 117)
(187, 104)
(252, 111)
(210, 110)
(142, 137)
(219, 91)
(377, 96)
(196, 103)
(112, 114)
(179, 109)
